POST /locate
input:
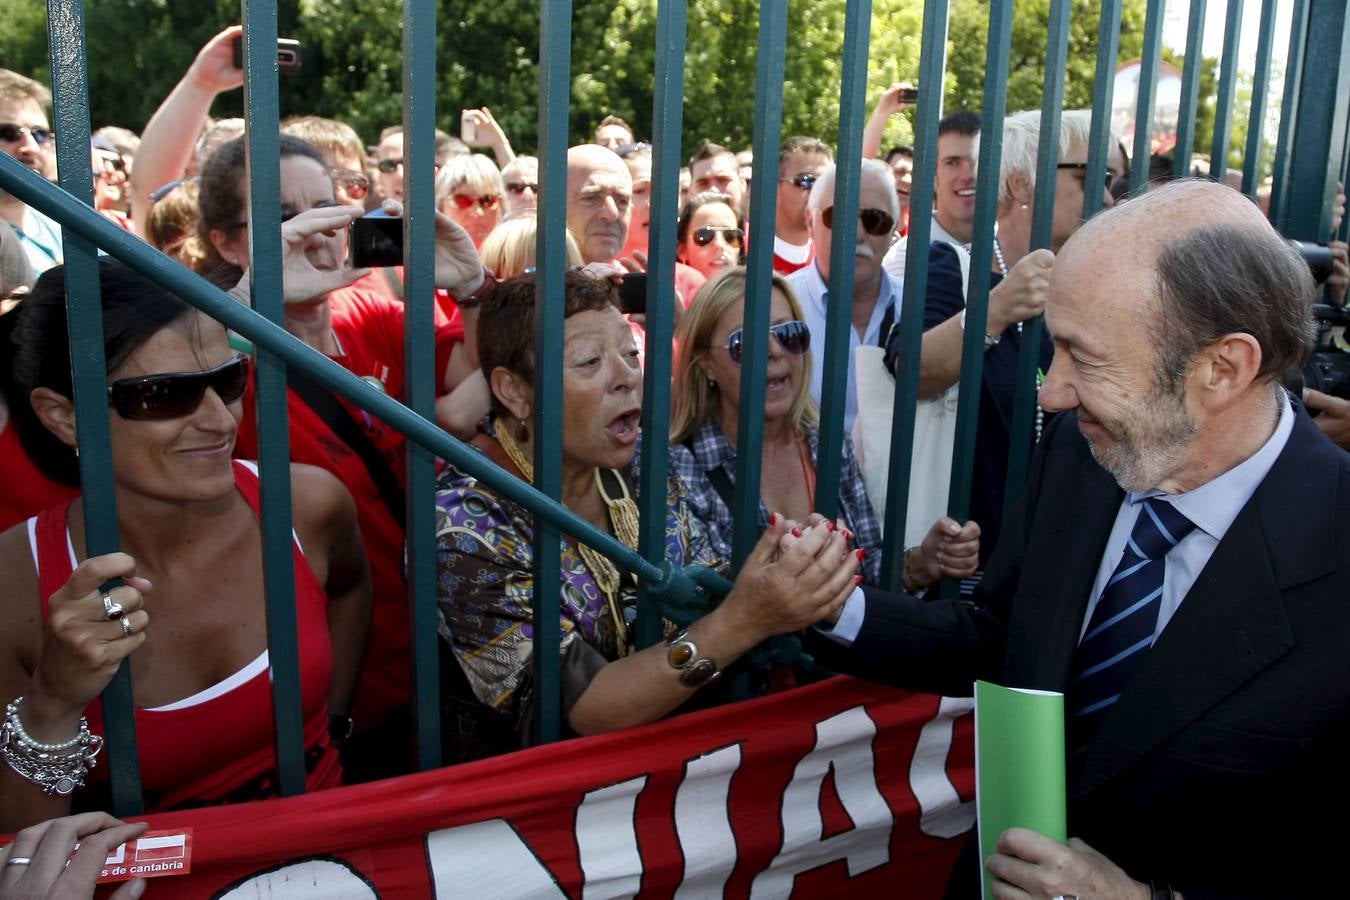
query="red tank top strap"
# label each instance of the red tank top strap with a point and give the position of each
(52, 541)
(246, 481)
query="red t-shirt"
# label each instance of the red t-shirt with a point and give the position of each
(25, 491)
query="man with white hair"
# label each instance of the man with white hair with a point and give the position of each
(876, 295)
(599, 202)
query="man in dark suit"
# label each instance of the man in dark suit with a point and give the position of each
(1180, 569)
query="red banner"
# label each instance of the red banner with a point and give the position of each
(840, 787)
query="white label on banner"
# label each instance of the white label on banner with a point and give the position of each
(703, 824)
(607, 841)
(844, 743)
(941, 812)
(309, 879)
(487, 859)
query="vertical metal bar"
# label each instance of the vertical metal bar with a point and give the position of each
(667, 121)
(932, 63)
(1289, 111)
(1190, 90)
(421, 378)
(555, 44)
(1042, 218)
(1099, 141)
(1148, 84)
(1223, 106)
(262, 115)
(84, 313)
(839, 309)
(1256, 119)
(758, 283)
(1319, 133)
(981, 262)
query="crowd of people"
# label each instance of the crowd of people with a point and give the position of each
(1171, 464)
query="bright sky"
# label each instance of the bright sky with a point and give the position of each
(1177, 14)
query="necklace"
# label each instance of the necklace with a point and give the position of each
(623, 514)
(998, 255)
(1040, 413)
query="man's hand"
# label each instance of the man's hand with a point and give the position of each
(1028, 864)
(1333, 415)
(1022, 294)
(213, 70)
(301, 279)
(890, 103)
(947, 549)
(488, 133)
(1339, 279)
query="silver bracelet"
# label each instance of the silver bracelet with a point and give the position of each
(56, 768)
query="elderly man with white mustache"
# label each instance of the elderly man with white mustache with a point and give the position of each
(876, 295)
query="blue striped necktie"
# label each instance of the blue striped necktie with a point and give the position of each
(1122, 624)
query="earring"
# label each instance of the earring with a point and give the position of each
(1025, 206)
(522, 432)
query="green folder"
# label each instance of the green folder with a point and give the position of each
(1019, 766)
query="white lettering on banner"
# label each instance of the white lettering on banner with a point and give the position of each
(607, 841)
(321, 878)
(941, 812)
(488, 859)
(703, 823)
(844, 744)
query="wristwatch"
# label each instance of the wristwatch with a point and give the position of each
(471, 300)
(695, 671)
(989, 339)
(340, 728)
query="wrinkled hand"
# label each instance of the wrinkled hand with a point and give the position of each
(1333, 415)
(81, 648)
(459, 268)
(213, 69)
(301, 280)
(1339, 279)
(49, 845)
(1022, 294)
(947, 549)
(890, 102)
(1028, 864)
(792, 579)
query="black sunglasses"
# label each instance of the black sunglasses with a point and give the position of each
(794, 337)
(12, 133)
(803, 180)
(875, 222)
(177, 394)
(635, 147)
(520, 187)
(1082, 167)
(733, 237)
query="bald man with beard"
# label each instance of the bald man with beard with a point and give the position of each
(1178, 569)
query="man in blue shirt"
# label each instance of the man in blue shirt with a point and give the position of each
(876, 295)
(26, 136)
(1178, 569)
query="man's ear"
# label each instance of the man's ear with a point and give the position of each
(56, 412)
(512, 391)
(1227, 368)
(232, 251)
(1021, 188)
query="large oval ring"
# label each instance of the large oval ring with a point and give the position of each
(112, 609)
(126, 626)
(19, 861)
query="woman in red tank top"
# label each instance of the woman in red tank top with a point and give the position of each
(189, 617)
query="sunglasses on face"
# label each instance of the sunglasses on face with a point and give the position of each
(353, 184)
(1082, 168)
(520, 187)
(794, 337)
(732, 237)
(875, 222)
(487, 201)
(803, 180)
(177, 394)
(635, 147)
(12, 133)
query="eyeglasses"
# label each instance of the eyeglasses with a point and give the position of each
(794, 337)
(487, 201)
(177, 394)
(387, 166)
(112, 161)
(732, 237)
(12, 133)
(875, 222)
(1082, 167)
(520, 187)
(353, 184)
(803, 180)
(635, 147)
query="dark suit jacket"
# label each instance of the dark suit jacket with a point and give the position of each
(1223, 767)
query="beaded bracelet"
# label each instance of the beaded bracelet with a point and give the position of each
(56, 768)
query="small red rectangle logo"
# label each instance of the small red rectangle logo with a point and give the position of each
(152, 855)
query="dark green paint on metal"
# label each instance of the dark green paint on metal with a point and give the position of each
(1251, 160)
(1315, 154)
(555, 42)
(1190, 90)
(834, 352)
(1223, 107)
(1148, 84)
(70, 96)
(264, 148)
(667, 120)
(1103, 87)
(419, 351)
(932, 54)
(1289, 113)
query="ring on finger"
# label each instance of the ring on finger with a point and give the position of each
(19, 861)
(112, 609)
(126, 626)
